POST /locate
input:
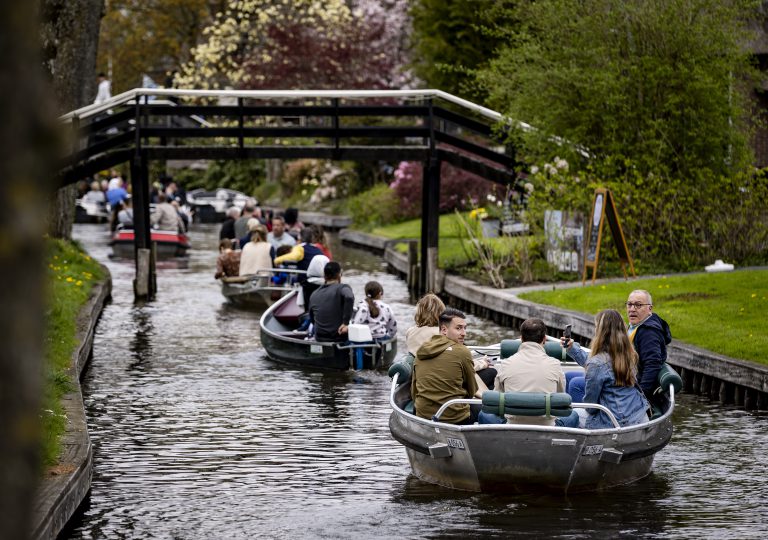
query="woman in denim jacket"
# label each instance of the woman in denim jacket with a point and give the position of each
(611, 376)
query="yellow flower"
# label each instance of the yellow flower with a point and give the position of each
(754, 295)
(70, 280)
(78, 283)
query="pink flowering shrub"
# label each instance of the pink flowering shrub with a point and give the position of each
(459, 189)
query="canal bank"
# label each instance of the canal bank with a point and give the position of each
(65, 485)
(720, 378)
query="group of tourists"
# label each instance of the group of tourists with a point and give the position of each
(620, 371)
(272, 242)
(115, 197)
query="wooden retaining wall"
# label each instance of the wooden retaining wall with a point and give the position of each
(729, 381)
(66, 485)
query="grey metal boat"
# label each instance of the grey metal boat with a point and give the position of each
(524, 458)
(283, 342)
(253, 291)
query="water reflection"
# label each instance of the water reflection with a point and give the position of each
(141, 340)
(197, 434)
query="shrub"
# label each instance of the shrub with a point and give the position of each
(459, 190)
(375, 207)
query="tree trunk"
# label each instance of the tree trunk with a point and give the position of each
(27, 143)
(70, 34)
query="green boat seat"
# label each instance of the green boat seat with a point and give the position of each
(552, 348)
(527, 403)
(404, 367)
(667, 376)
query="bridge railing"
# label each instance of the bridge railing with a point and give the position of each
(228, 124)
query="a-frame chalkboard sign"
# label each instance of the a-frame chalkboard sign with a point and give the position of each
(602, 207)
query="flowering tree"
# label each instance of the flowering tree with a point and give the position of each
(459, 190)
(286, 44)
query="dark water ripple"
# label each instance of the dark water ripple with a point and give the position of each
(198, 435)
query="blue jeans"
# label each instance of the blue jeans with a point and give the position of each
(568, 421)
(489, 418)
(576, 388)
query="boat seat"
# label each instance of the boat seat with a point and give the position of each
(527, 403)
(553, 348)
(404, 367)
(659, 401)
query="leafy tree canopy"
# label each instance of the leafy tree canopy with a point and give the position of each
(152, 37)
(452, 38)
(663, 83)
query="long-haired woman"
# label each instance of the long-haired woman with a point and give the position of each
(375, 313)
(611, 376)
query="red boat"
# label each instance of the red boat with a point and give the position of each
(169, 244)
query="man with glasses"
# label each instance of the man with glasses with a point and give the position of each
(650, 336)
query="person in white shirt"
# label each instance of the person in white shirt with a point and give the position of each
(256, 254)
(104, 92)
(375, 313)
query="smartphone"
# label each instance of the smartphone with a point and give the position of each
(567, 332)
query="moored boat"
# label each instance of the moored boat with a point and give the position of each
(523, 458)
(88, 211)
(255, 291)
(211, 206)
(169, 244)
(283, 342)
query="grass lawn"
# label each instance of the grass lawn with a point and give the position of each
(71, 274)
(722, 312)
(451, 252)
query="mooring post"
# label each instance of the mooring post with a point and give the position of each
(144, 285)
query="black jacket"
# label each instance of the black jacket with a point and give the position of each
(650, 341)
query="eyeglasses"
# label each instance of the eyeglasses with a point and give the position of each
(636, 305)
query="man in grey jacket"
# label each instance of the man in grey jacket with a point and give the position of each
(330, 306)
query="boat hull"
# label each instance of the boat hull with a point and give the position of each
(168, 244)
(283, 344)
(256, 293)
(519, 458)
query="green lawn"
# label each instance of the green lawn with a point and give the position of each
(71, 274)
(722, 312)
(451, 252)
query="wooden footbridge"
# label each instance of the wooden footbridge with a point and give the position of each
(428, 126)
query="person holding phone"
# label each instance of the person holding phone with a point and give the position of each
(610, 376)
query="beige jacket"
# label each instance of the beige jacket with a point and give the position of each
(416, 336)
(255, 257)
(530, 369)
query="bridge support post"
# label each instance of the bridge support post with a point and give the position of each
(430, 225)
(145, 283)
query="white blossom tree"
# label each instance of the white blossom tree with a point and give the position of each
(288, 44)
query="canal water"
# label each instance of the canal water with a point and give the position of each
(197, 434)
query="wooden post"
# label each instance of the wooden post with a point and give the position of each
(413, 265)
(142, 233)
(430, 224)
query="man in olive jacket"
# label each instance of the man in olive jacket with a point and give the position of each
(443, 370)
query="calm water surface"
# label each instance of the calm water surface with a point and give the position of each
(197, 434)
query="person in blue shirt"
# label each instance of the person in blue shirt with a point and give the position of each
(611, 376)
